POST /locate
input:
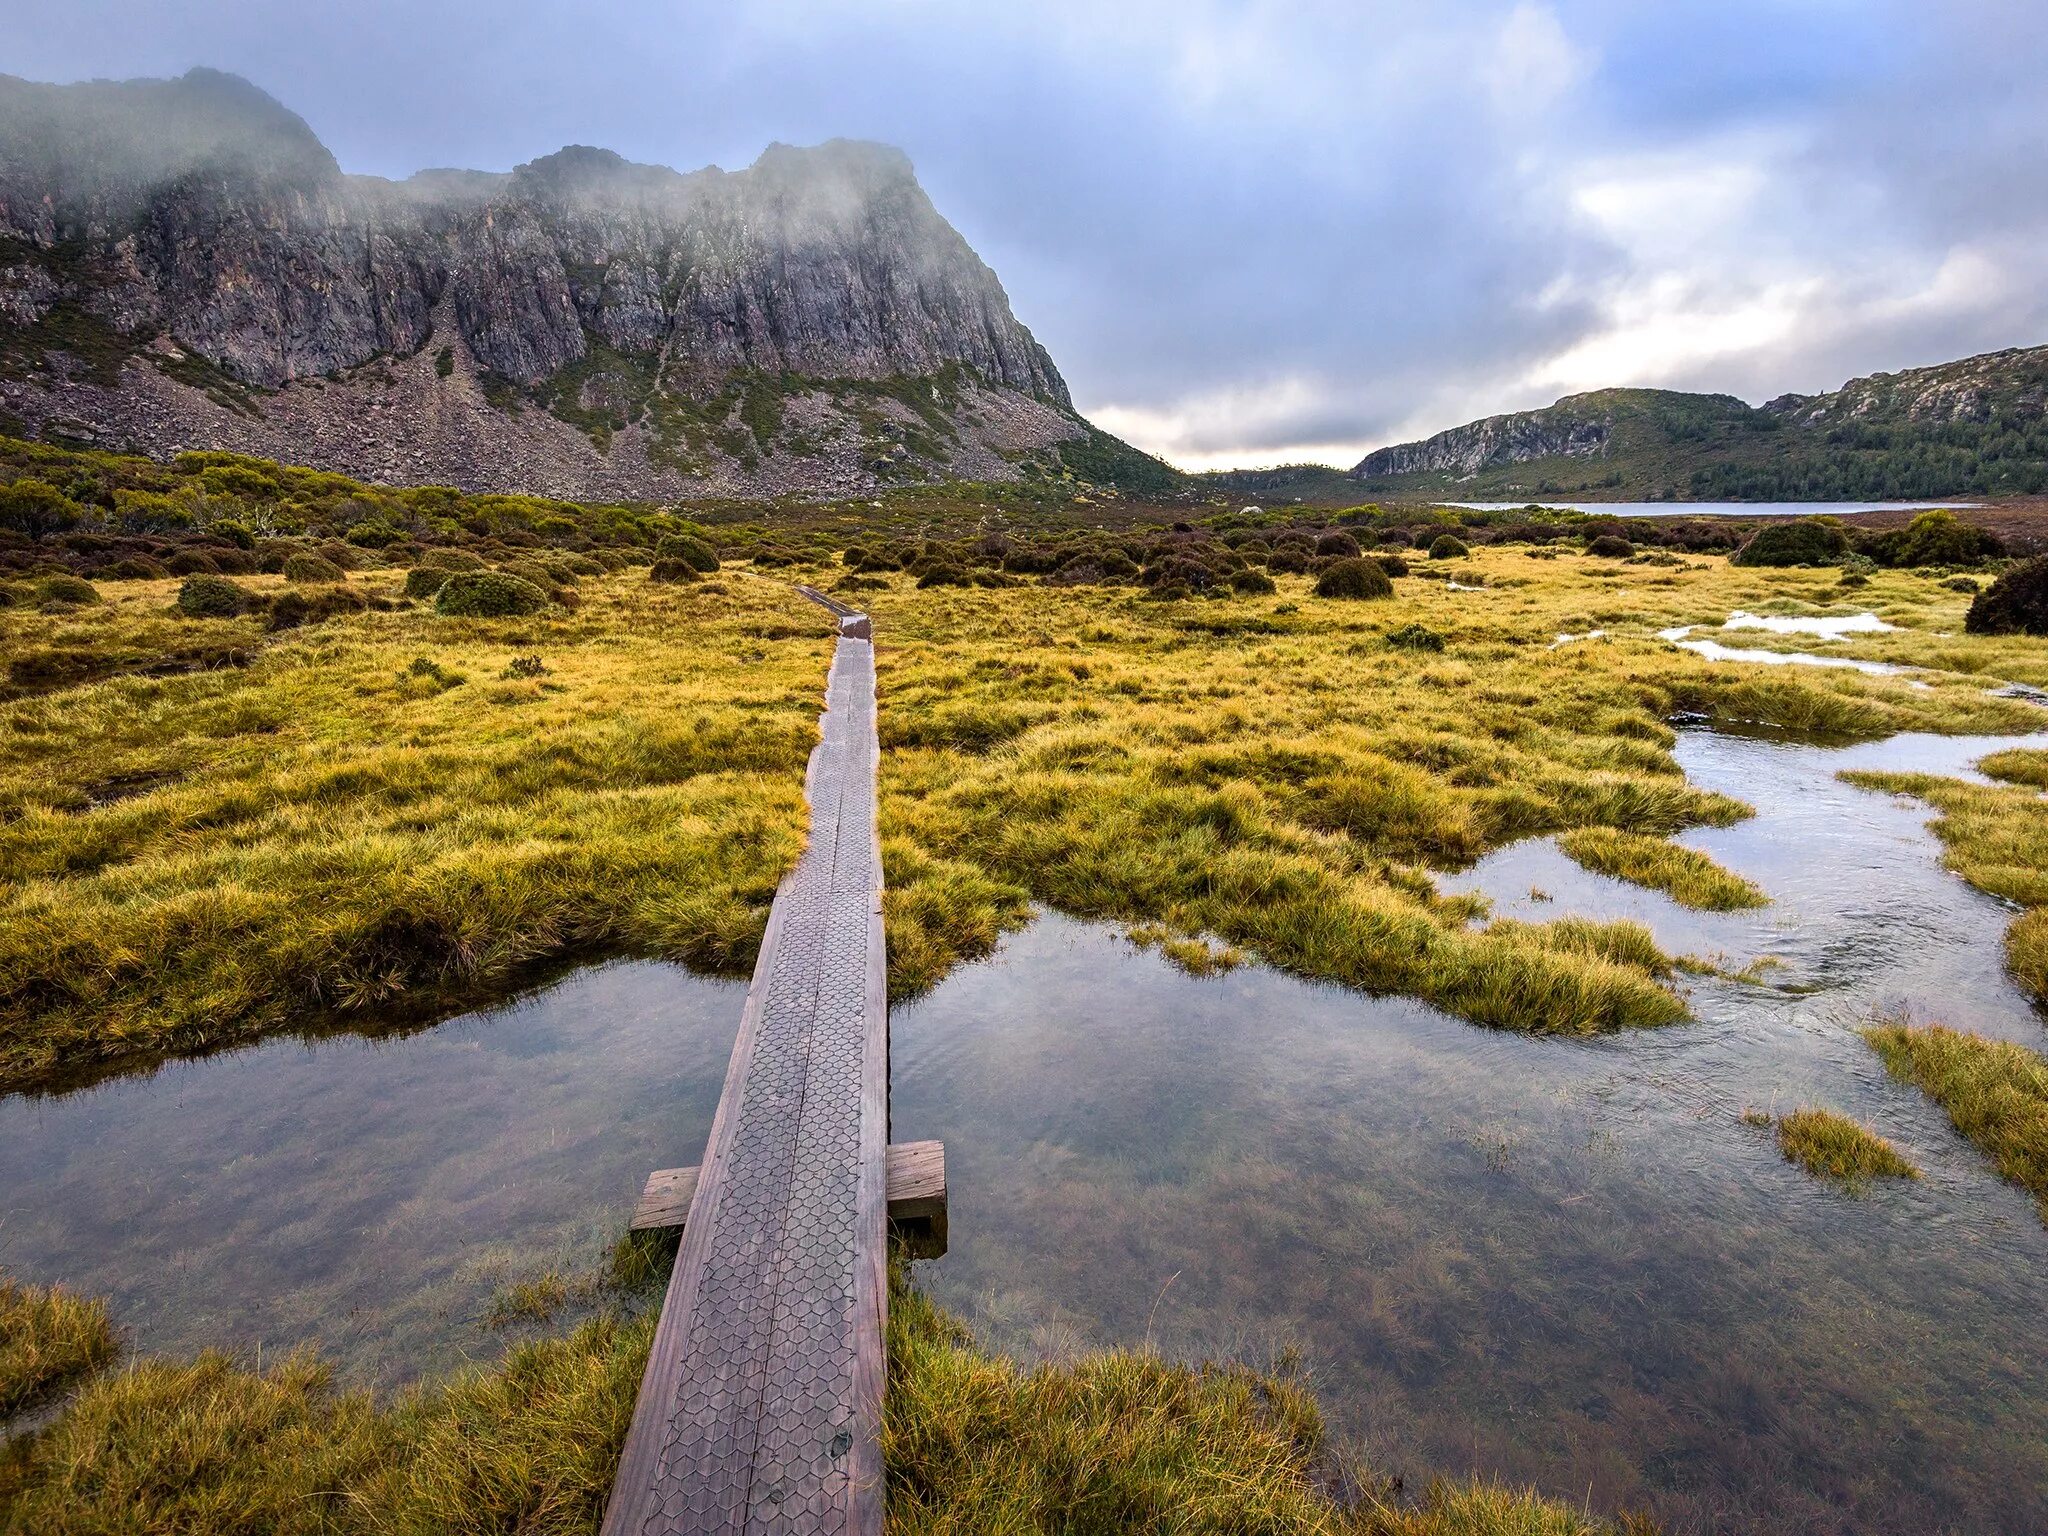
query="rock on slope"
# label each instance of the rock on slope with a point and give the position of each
(183, 264)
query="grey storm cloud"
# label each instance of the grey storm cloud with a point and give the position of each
(1253, 231)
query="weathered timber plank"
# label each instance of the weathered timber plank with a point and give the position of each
(915, 1179)
(760, 1409)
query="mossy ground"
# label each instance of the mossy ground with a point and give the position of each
(1274, 772)
(323, 826)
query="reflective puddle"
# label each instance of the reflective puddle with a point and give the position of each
(1567, 1263)
(373, 1194)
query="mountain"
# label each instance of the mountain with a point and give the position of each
(184, 265)
(1974, 427)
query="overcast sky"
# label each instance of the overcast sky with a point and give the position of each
(1253, 233)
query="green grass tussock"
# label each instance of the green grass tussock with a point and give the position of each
(1684, 874)
(1832, 1146)
(526, 1446)
(1995, 1092)
(1112, 1443)
(343, 826)
(49, 1339)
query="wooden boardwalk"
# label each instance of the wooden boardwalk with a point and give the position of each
(761, 1408)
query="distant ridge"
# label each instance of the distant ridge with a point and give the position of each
(1973, 427)
(184, 264)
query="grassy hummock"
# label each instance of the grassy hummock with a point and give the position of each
(1832, 1146)
(1995, 1092)
(1684, 874)
(49, 1339)
(1116, 1442)
(331, 829)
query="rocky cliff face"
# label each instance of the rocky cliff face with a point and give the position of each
(183, 264)
(1513, 439)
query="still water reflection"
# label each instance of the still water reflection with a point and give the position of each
(372, 1194)
(1563, 1262)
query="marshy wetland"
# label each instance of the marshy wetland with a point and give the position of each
(1266, 962)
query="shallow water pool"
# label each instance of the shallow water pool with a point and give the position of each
(1562, 1262)
(373, 1194)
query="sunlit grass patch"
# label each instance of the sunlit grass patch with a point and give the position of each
(49, 1339)
(1684, 874)
(352, 823)
(2021, 765)
(1995, 1092)
(1833, 1146)
(1119, 1441)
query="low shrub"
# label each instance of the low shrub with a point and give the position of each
(1393, 565)
(1448, 546)
(1416, 637)
(1935, 538)
(289, 610)
(1354, 579)
(1251, 583)
(682, 546)
(311, 569)
(2015, 604)
(68, 589)
(488, 595)
(211, 597)
(946, 576)
(425, 580)
(1968, 584)
(450, 560)
(674, 571)
(1337, 544)
(135, 568)
(1611, 546)
(191, 562)
(1808, 541)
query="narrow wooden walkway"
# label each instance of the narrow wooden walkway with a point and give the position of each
(761, 1408)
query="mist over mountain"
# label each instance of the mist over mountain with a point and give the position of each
(183, 264)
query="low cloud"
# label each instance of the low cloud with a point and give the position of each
(1252, 231)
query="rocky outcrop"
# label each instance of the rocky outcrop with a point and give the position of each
(2011, 384)
(1513, 439)
(182, 263)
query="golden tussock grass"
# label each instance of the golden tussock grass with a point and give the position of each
(1832, 1146)
(1684, 874)
(1273, 772)
(372, 814)
(1995, 1092)
(1112, 1443)
(49, 1338)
